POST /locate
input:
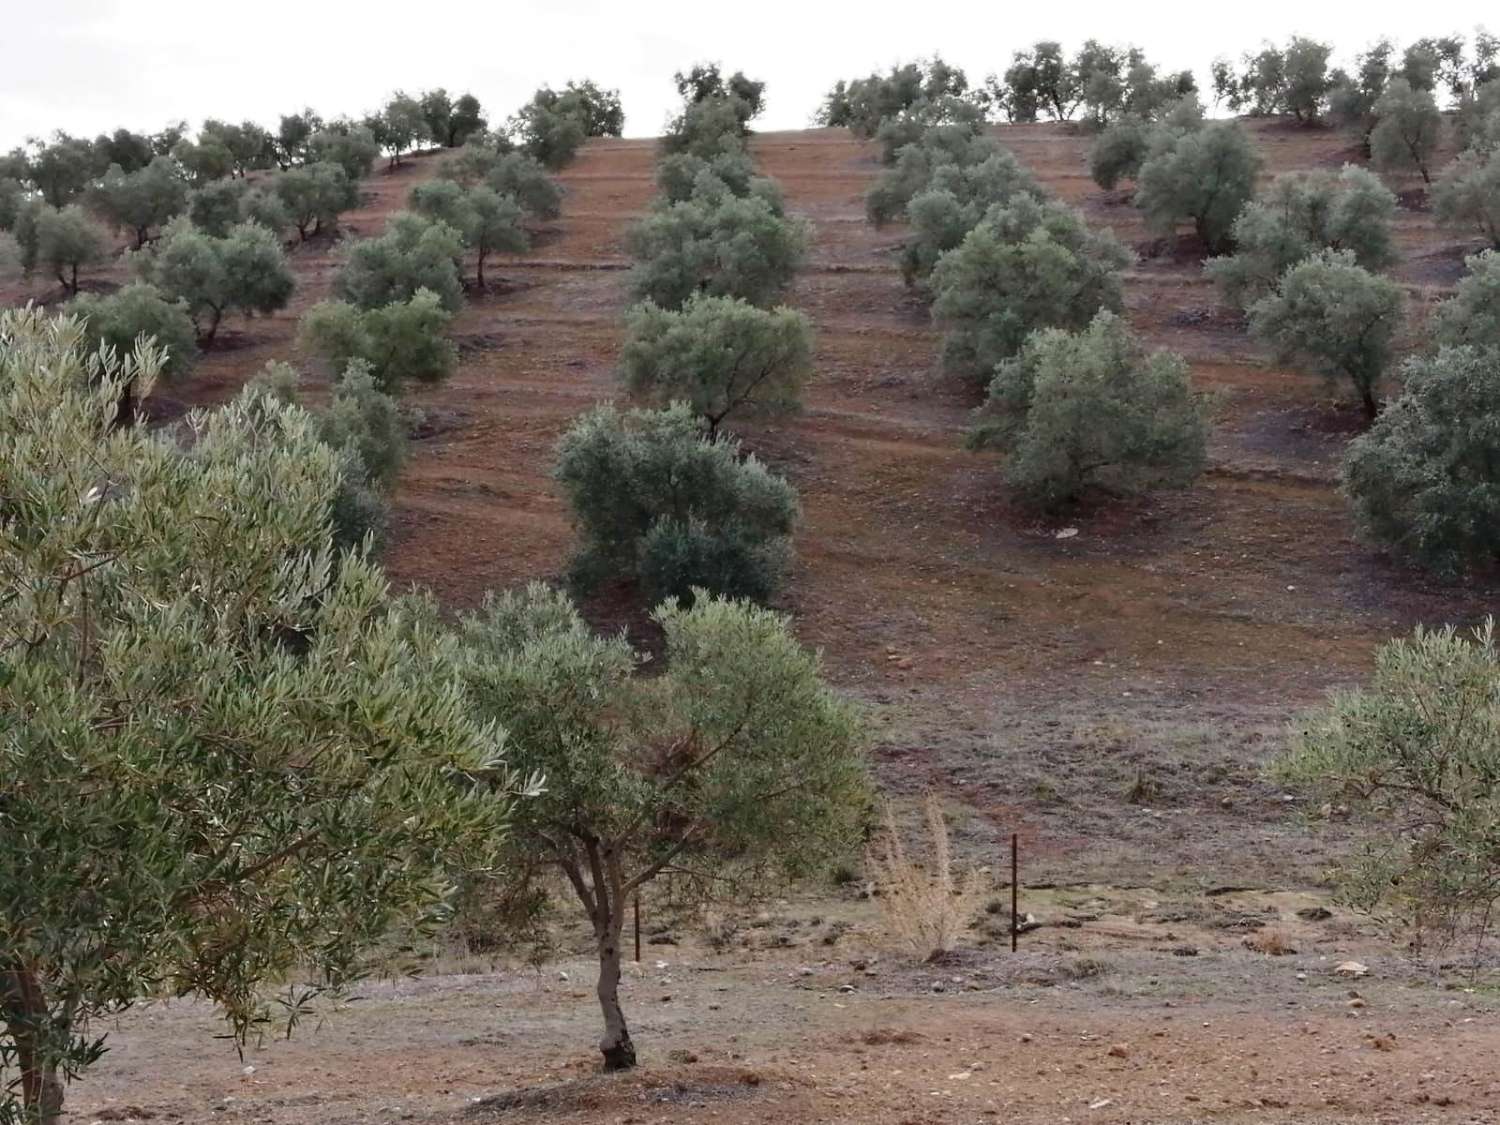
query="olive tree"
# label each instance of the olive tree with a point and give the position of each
(486, 221)
(954, 202)
(122, 318)
(719, 355)
(353, 148)
(62, 168)
(1027, 266)
(451, 122)
(1407, 129)
(1352, 98)
(293, 134)
(1120, 150)
(233, 759)
(413, 253)
(399, 341)
(399, 126)
(1294, 79)
(513, 174)
(1331, 311)
(1472, 314)
(1421, 478)
(735, 764)
(1073, 410)
(912, 172)
(656, 503)
(1413, 756)
(314, 195)
(138, 201)
(1300, 214)
(721, 246)
(552, 125)
(681, 176)
(68, 240)
(246, 272)
(1206, 175)
(1468, 194)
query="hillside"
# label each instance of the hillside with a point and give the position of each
(1107, 687)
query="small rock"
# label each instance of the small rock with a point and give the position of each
(1119, 1051)
(1351, 969)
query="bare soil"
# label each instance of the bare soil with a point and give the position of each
(1111, 695)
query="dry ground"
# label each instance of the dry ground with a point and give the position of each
(1111, 696)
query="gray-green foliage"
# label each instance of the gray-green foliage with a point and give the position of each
(1468, 194)
(681, 176)
(1414, 756)
(1331, 311)
(1422, 479)
(720, 245)
(1122, 147)
(1294, 79)
(719, 355)
(486, 221)
(138, 201)
(66, 241)
(315, 195)
(955, 199)
(514, 174)
(119, 319)
(245, 272)
(1027, 266)
(1407, 129)
(1206, 175)
(735, 765)
(655, 502)
(399, 341)
(863, 104)
(1472, 314)
(954, 115)
(351, 148)
(1299, 214)
(1076, 410)
(412, 253)
(364, 425)
(232, 759)
(937, 147)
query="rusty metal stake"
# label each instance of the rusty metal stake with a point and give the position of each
(1015, 895)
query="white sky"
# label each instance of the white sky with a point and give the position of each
(88, 66)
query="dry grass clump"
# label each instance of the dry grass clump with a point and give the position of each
(926, 906)
(1273, 943)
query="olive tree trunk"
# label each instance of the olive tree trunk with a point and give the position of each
(26, 1019)
(615, 1045)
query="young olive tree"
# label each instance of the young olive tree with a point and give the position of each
(719, 355)
(1120, 150)
(399, 341)
(413, 253)
(682, 176)
(486, 221)
(915, 165)
(1027, 266)
(1300, 214)
(722, 247)
(1472, 315)
(1206, 175)
(1414, 755)
(66, 241)
(734, 764)
(246, 272)
(1422, 478)
(1468, 194)
(1331, 311)
(1075, 410)
(353, 148)
(513, 174)
(954, 202)
(138, 201)
(234, 759)
(314, 195)
(399, 126)
(656, 503)
(1407, 129)
(123, 318)
(293, 134)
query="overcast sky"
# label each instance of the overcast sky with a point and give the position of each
(87, 66)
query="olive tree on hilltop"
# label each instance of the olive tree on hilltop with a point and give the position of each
(1074, 410)
(1027, 266)
(735, 764)
(719, 355)
(1300, 214)
(1407, 129)
(397, 341)
(1330, 310)
(1206, 175)
(656, 503)
(1421, 479)
(242, 762)
(413, 253)
(245, 272)
(139, 201)
(486, 221)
